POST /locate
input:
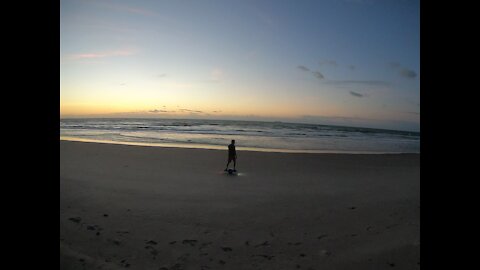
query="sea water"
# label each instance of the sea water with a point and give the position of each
(249, 135)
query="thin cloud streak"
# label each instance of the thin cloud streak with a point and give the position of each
(355, 94)
(100, 55)
(159, 111)
(416, 113)
(403, 71)
(353, 82)
(408, 73)
(303, 68)
(191, 111)
(318, 75)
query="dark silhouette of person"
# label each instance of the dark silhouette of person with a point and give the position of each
(232, 155)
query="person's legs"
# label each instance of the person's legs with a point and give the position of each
(227, 165)
(234, 163)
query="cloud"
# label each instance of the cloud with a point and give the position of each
(352, 67)
(303, 68)
(358, 82)
(318, 75)
(355, 94)
(96, 55)
(162, 75)
(403, 71)
(190, 111)
(408, 73)
(159, 111)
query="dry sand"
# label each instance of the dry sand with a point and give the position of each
(140, 207)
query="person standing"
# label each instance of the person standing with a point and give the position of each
(232, 156)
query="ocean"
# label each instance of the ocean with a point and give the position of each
(249, 135)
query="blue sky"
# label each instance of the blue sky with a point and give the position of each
(333, 61)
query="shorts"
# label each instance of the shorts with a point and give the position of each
(230, 158)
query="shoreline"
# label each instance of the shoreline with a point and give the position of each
(222, 148)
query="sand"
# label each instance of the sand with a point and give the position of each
(140, 207)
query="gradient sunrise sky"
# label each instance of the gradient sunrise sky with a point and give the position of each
(341, 62)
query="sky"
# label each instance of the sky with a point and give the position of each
(340, 62)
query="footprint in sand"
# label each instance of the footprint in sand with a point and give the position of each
(75, 219)
(321, 236)
(191, 242)
(125, 263)
(269, 257)
(184, 257)
(114, 241)
(266, 243)
(226, 249)
(153, 251)
(151, 242)
(390, 226)
(173, 242)
(177, 266)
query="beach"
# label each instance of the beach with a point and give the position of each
(141, 207)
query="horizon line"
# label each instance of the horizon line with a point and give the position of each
(241, 120)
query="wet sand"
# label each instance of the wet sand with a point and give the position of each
(140, 207)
